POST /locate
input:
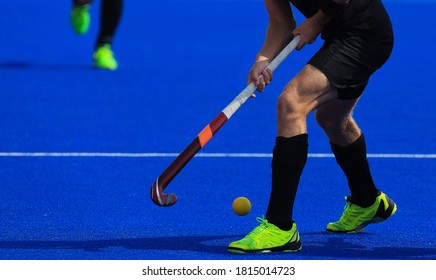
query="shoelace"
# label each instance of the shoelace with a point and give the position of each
(263, 225)
(350, 213)
(347, 213)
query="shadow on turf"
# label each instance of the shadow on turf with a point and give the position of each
(20, 65)
(329, 247)
(346, 246)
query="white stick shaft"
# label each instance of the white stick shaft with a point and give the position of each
(249, 90)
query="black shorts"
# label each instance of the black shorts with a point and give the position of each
(354, 48)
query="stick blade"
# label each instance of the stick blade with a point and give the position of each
(159, 198)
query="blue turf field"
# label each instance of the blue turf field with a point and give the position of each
(181, 62)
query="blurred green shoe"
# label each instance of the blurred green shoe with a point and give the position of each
(80, 18)
(104, 58)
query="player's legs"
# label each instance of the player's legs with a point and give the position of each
(308, 90)
(336, 119)
(366, 204)
(349, 147)
(110, 15)
(82, 2)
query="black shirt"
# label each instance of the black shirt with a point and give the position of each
(362, 16)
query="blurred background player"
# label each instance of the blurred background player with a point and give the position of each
(110, 15)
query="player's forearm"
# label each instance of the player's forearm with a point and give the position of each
(279, 31)
(277, 36)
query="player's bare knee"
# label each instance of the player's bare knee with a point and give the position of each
(288, 108)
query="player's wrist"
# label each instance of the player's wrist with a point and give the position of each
(262, 58)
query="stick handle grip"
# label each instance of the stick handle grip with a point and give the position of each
(249, 90)
(284, 53)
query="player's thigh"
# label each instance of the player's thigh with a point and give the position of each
(308, 90)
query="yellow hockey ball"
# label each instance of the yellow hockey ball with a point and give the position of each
(241, 206)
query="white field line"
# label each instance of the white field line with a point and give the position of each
(208, 155)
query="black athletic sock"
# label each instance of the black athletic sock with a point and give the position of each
(81, 2)
(289, 159)
(110, 15)
(353, 161)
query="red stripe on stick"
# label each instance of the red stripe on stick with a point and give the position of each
(205, 135)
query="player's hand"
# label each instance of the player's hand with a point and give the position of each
(259, 74)
(309, 30)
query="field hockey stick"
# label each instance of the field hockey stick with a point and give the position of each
(156, 192)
